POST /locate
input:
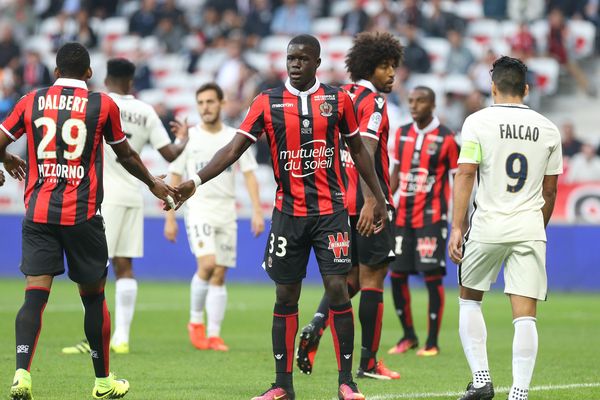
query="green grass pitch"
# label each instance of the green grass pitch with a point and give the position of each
(163, 365)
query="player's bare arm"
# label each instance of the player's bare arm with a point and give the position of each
(366, 217)
(13, 164)
(366, 170)
(395, 178)
(463, 185)
(171, 151)
(549, 188)
(257, 222)
(132, 162)
(222, 159)
(171, 229)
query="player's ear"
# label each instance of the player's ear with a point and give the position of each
(56, 73)
(494, 89)
(318, 62)
(526, 90)
(88, 74)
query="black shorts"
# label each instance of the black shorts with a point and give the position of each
(291, 239)
(84, 245)
(421, 249)
(375, 250)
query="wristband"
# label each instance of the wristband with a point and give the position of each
(197, 180)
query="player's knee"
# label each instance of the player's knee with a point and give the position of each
(336, 288)
(218, 276)
(287, 294)
(123, 267)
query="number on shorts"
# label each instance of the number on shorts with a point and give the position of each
(281, 243)
(67, 136)
(520, 175)
(398, 249)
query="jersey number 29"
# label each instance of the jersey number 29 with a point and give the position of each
(70, 127)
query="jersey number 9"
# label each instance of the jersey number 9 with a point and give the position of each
(519, 174)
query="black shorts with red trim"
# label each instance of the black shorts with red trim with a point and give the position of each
(84, 245)
(291, 239)
(375, 250)
(421, 249)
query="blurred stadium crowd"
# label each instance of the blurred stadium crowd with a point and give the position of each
(179, 44)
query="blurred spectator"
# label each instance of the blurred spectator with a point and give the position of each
(439, 22)
(71, 7)
(416, 58)
(233, 24)
(223, 5)
(102, 8)
(168, 9)
(495, 9)
(569, 8)
(22, 15)
(229, 75)
(8, 99)
(270, 80)
(460, 58)
(291, 19)
(557, 48)
(9, 49)
(522, 44)
(142, 79)
(410, 14)
(258, 22)
(570, 144)
(526, 10)
(32, 73)
(143, 22)
(84, 33)
(211, 27)
(584, 166)
(355, 20)
(170, 34)
(166, 116)
(48, 8)
(480, 73)
(385, 20)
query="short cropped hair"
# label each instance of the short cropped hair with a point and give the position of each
(211, 86)
(307, 40)
(369, 50)
(120, 68)
(428, 90)
(510, 76)
(72, 60)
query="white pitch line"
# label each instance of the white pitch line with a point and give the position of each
(540, 388)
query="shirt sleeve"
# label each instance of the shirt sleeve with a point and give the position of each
(112, 130)
(159, 137)
(254, 123)
(372, 117)
(555, 160)
(348, 123)
(14, 125)
(470, 153)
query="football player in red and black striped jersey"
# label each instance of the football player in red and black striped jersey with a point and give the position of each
(371, 62)
(425, 158)
(65, 125)
(304, 121)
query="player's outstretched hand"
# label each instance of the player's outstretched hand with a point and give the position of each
(15, 166)
(1, 178)
(455, 246)
(364, 226)
(164, 192)
(184, 192)
(179, 129)
(171, 229)
(257, 223)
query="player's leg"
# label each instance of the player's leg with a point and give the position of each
(285, 260)
(479, 269)
(216, 304)
(126, 289)
(526, 284)
(431, 249)
(402, 267)
(42, 258)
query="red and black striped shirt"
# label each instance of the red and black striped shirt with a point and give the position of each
(426, 159)
(64, 124)
(373, 122)
(303, 131)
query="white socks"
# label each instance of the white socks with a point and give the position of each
(525, 345)
(473, 335)
(216, 303)
(198, 291)
(125, 295)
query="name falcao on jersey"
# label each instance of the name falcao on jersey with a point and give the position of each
(522, 132)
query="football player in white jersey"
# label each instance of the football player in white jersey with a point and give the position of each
(122, 207)
(210, 217)
(516, 154)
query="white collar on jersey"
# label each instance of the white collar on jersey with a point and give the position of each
(71, 83)
(367, 84)
(435, 122)
(296, 92)
(121, 96)
(517, 105)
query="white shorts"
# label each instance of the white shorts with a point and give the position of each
(524, 267)
(206, 239)
(124, 230)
